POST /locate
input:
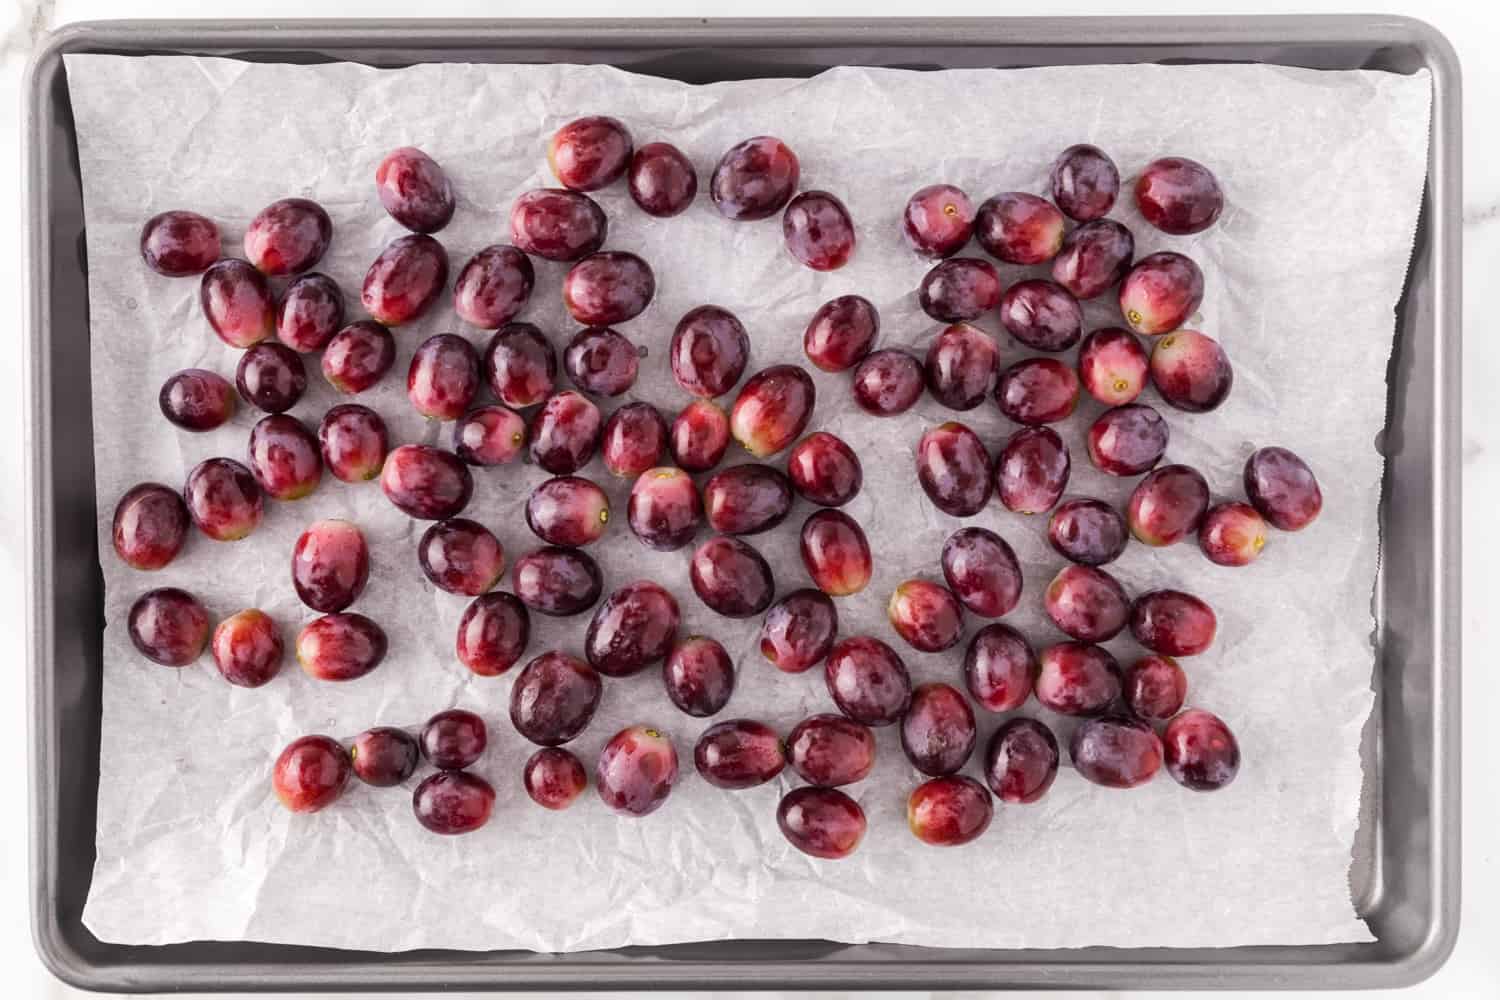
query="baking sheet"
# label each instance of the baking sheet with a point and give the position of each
(1303, 272)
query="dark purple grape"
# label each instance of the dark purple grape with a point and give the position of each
(520, 365)
(493, 633)
(937, 731)
(709, 351)
(1168, 505)
(1201, 751)
(490, 435)
(176, 244)
(822, 822)
(1173, 623)
(237, 302)
(954, 469)
(1160, 292)
(342, 646)
(601, 361)
(1000, 668)
(288, 236)
(867, 681)
(330, 565)
(1031, 471)
(270, 377)
(493, 287)
(938, 221)
(664, 510)
(414, 190)
(567, 510)
(755, 179)
(963, 288)
(285, 458)
(197, 399)
(1019, 228)
(731, 577)
(1087, 603)
(636, 771)
(1191, 371)
(426, 483)
(1116, 752)
(1020, 761)
(887, 383)
(1042, 315)
(608, 287)
(632, 629)
(556, 224)
(554, 698)
(149, 526)
(818, 231)
(1077, 678)
(1128, 440)
(565, 433)
(824, 470)
(310, 312)
(747, 499)
(589, 153)
(772, 409)
(926, 615)
(454, 739)
(1155, 688)
(461, 557)
(982, 571)
(443, 378)
(1232, 534)
(384, 756)
(554, 778)
(1178, 195)
(1088, 532)
(949, 811)
(310, 773)
(405, 280)
(453, 802)
(1282, 488)
(1113, 366)
(224, 499)
(700, 435)
(168, 626)
(1037, 391)
(961, 366)
(698, 676)
(358, 356)
(841, 332)
(739, 753)
(354, 441)
(830, 750)
(662, 180)
(634, 440)
(836, 553)
(557, 582)
(799, 630)
(1095, 257)
(1085, 182)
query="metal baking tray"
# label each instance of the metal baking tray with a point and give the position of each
(1405, 874)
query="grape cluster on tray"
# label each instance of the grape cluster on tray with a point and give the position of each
(1133, 718)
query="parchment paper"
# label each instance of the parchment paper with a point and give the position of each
(1323, 173)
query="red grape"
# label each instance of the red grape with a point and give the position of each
(824, 470)
(1000, 668)
(963, 288)
(755, 179)
(1160, 292)
(867, 681)
(747, 499)
(1282, 488)
(1191, 371)
(731, 577)
(556, 224)
(1201, 751)
(384, 756)
(288, 236)
(1084, 182)
(330, 565)
(709, 351)
(589, 153)
(1128, 440)
(554, 778)
(490, 435)
(1078, 679)
(196, 399)
(453, 802)
(937, 731)
(700, 435)
(1020, 762)
(662, 180)
(1087, 603)
(454, 739)
(1037, 391)
(1167, 505)
(1095, 257)
(176, 244)
(739, 753)
(938, 221)
(285, 458)
(443, 378)
(310, 773)
(1178, 195)
(836, 553)
(414, 190)
(557, 582)
(567, 510)
(1113, 366)
(270, 376)
(954, 469)
(1042, 315)
(1232, 534)
(1155, 687)
(608, 287)
(565, 433)
(223, 499)
(1032, 470)
(632, 629)
(1088, 532)
(168, 626)
(406, 279)
(926, 615)
(426, 483)
(520, 365)
(601, 361)
(949, 811)
(340, 647)
(982, 571)
(772, 409)
(493, 633)
(1116, 752)
(636, 771)
(310, 312)
(698, 676)
(354, 441)
(358, 356)
(961, 366)
(822, 822)
(149, 527)
(554, 698)
(829, 750)
(664, 510)
(1173, 623)
(236, 300)
(1019, 228)
(887, 383)
(461, 556)
(818, 231)
(799, 630)
(841, 333)
(493, 287)
(634, 440)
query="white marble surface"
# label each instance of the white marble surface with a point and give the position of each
(1472, 25)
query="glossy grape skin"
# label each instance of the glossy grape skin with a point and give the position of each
(1232, 534)
(608, 287)
(1282, 489)
(554, 698)
(285, 458)
(443, 378)
(358, 356)
(739, 753)
(453, 802)
(557, 582)
(414, 190)
(1087, 532)
(224, 499)
(1084, 182)
(1113, 366)
(824, 470)
(634, 440)
(310, 773)
(799, 630)
(178, 243)
(590, 153)
(700, 435)
(818, 231)
(288, 236)
(1173, 623)
(567, 510)
(330, 565)
(1037, 391)
(1019, 228)
(490, 435)
(747, 499)
(601, 361)
(453, 739)
(709, 351)
(1178, 195)
(554, 778)
(772, 409)
(961, 367)
(520, 365)
(954, 469)
(829, 750)
(1155, 688)
(731, 577)
(937, 731)
(405, 280)
(1077, 678)
(1168, 505)
(1032, 470)
(340, 647)
(309, 313)
(270, 377)
(1087, 603)
(949, 811)
(662, 180)
(867, 681)
(888, 382)
(196, 399)
(426, 483)
(754, 179)
(168, 626)
(632, 629)
(493, 287)
(1000, 668)
(384, 756)
(836, 553)
(1042, 315)
(493, 633)
(1201, 751)
(963, 288)
(1191, 371)
(565, 434)
(981, 570)
(354, 441)
(557, 224)
(698, 676)
(926, 615)
(461, 557)
(1160, 292)
(821, 822)
(1116, 752)
(937, 221)
(1128, 440)
(841, 333)
(1095, 257)
(1020, 761)
(149, 526)
(636, 771)
(237, 302)
(664, 510)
